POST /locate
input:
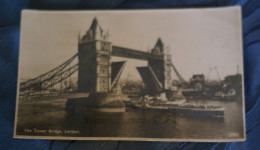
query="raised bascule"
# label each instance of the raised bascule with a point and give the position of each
(99, 76)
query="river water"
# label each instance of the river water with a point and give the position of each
(131, 123)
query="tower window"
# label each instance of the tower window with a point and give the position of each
(104, 46)
(103, 69)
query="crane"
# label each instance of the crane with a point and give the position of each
(210, 70)
(217, 73)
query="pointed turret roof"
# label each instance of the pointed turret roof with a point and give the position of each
(95, 32)
(95, 27)
(158, 47)
(159, 44)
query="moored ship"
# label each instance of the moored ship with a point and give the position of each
(180, 107)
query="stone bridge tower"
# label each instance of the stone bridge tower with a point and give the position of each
(162, 66)
(94, 53)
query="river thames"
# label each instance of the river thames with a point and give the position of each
(48, 118)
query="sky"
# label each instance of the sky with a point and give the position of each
(198, 39)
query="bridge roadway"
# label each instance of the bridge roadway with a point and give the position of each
(134, 54)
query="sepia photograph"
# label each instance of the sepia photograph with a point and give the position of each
(139, 75)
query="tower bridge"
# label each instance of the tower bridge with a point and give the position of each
(95, 64)
(98, 74)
